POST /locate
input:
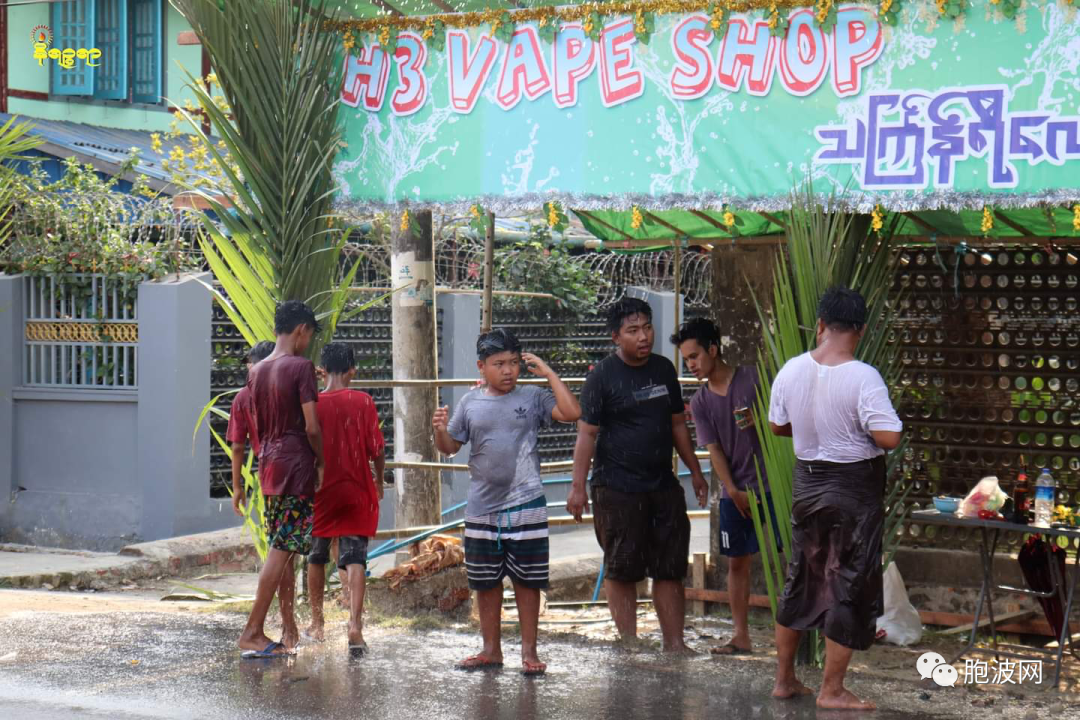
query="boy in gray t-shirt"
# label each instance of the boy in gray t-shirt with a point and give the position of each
(506, 531)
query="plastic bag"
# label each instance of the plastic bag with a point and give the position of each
(986, 495)
(900, 624)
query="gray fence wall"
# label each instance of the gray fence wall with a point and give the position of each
(103, 467)
(99, 468)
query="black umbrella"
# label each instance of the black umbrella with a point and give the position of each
(1035, 558)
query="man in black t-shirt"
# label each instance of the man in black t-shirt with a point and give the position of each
(632, 417)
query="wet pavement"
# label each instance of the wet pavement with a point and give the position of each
(135, 665)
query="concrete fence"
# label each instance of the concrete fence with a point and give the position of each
(101, 467)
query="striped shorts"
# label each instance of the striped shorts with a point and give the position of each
(511, 542)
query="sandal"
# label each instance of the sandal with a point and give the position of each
(729, 649)
(529, 669)
(478, 662)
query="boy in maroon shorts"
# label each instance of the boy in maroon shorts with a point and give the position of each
(283, 395)
(347, 505)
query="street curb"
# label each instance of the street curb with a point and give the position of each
(220, 551)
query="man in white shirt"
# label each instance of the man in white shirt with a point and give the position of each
(837, 411)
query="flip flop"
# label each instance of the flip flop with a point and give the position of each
(267, 652)
(529, 669)
(304, 634)
(358, 651)
(478, 662)
(728, 650)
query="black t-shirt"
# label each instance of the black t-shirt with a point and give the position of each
(632, 407)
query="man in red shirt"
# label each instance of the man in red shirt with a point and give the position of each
(283, 396)
(347, 505)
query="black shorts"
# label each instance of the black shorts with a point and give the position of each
(352, 550)
(642, 534)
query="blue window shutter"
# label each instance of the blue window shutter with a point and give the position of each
(73, 27)
(146, 51)
(110, 36)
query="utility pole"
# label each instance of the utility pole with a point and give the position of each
(412, 266)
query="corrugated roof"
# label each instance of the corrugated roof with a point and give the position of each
(105, 148)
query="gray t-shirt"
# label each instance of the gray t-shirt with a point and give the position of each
(502, 432)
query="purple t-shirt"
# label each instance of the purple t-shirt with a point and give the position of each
(714, 422)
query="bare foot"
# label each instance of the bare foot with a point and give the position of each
(844, 700)
(679, 649)
(481, 661)
(290, 637)
(356, 636)
(315, 632)
(257, 642)
(787, 690)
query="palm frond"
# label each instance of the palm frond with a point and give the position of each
(281, 78)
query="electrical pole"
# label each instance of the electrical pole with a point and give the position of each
(413, 318)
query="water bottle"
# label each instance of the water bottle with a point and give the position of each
(1045, 490)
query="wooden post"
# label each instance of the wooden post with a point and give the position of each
(413, 319)
(489, 262)
(677, 358)
(698, 581)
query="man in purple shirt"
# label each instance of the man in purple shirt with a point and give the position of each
(724, 423)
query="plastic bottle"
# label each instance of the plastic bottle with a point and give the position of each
(1045, 491)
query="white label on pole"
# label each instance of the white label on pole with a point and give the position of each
(416, 279)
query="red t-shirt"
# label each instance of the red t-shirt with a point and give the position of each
(241, 429)
(348, 503)
(279, 388)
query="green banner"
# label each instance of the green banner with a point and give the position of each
(929, 113)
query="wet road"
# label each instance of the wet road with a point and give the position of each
(183, 665)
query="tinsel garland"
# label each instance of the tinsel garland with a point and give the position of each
(578, 13)
(949, 200)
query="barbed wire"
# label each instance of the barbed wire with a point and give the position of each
(459, 264)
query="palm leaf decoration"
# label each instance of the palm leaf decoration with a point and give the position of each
(14, 141)
(826, 246)
(272, 240)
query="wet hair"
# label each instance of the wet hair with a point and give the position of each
(842, 309)
(496, 341)
(291, 314)
(627, 307)
(701, 329)
(337, 358)
(261, 351)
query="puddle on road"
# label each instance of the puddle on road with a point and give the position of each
(173, 665)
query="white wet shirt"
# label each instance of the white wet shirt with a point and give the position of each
(832, 409)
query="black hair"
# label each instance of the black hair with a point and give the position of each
(496, 341)
(842, 309)
(701, 329)
(337, 358)
(261, 351)
(627, 307)
(291, 314)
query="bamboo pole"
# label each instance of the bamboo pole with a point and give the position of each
(544, 467)
(459, 291)
(554, 521)
(469, 382)
(489, 263)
